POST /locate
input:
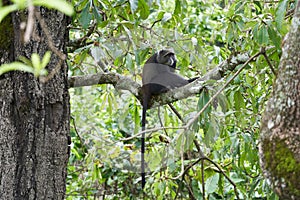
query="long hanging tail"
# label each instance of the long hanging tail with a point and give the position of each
(146, 97)
(143, 147)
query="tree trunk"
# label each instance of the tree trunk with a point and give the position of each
(34, 116)
(280, 131)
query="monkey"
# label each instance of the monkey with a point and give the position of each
(158, 77)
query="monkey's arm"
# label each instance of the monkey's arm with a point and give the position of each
(192, 79)
(169, 80)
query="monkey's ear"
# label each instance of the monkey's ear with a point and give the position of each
(165, 52)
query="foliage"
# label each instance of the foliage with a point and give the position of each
(203, 34)
(119, 36)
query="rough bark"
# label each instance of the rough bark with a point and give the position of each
(280, 131)
(34, 116)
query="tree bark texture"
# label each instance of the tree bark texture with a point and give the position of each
(34, 116)
(280, 131)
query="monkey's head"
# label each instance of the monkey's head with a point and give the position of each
(166, 57)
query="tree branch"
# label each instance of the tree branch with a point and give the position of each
(125, 83)
(119, 81)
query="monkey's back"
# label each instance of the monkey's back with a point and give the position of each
(155, 73)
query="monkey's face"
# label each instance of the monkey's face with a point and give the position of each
(167, 58)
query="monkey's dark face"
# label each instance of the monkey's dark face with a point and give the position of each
(167, 58)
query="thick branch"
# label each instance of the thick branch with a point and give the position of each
(125, 83)
(119, 81)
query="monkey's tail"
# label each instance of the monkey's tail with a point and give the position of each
(143, 143)
(145, 106)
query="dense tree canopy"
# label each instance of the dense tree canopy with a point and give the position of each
(118, 36)
(208, 147)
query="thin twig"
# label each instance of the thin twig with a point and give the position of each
(176, 112)
(76, 43)
(190, 191)
(149, 130)
(76, 131)
(268, 61)
(50, 42)
(51, 46)
(160, 120)
(30, 22)
(202, 177)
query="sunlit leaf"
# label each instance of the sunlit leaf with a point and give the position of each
(6, 10)
(177, 7)
(46, 59)
(25, 60)
(15, 66)
(180, 141)
(35, 60)
(144, 9)
(160, 15)
(60, 5)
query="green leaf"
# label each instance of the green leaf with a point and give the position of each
(20, 3)
(280, 13)
(38, 67)
(60, 5)
(103, 101)
(137, 119)
(275, 37)
(255, 32)
(144, 9)
(85, 17)
(263, 35)
(211, 184)
(178, 6)
(35, 60)
(212, 132)
(97, 15)
(239, 102)
(46, 59)
(203, 99)
(109, 108)
(25, 60)
(15, 66)
(160, 15)
(6, 10)
(180, 140)
(230, 33)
